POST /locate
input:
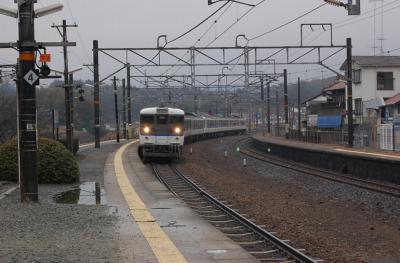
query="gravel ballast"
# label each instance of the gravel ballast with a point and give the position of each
(333, 221)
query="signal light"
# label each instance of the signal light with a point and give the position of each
(45, 70)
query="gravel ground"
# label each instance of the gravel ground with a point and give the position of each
(333, 221)
(56, 233)
(49, 232)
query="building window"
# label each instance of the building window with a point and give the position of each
(359, 107)
(398, 109)
(385, 80)
(357, 76)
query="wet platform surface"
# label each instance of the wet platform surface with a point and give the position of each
(195, 238)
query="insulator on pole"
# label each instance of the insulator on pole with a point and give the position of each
(335, 3)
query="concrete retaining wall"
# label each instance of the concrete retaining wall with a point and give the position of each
(360, 166)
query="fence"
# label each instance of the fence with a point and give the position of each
(365, 136)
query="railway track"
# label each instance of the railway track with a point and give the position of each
(375, 186)
(262, 244)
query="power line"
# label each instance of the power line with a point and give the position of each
(287, 23)
(232, 25)
(199, 39)
(199, 24)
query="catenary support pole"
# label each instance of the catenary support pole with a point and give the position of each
(269, 107)
(262, 105)
(286, 101)
(27, 120)
(96, 99)
(116, 106)
(128, 84)
(350, 93)
(298, 109)
(277, 113)
(124, 109)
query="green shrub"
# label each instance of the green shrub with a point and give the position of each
(75, 144)
(56, 164)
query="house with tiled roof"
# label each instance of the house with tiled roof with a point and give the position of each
(391, 110)
(327, 109)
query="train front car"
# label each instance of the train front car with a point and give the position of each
(161, 133)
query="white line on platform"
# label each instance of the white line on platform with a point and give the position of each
(8, 192)
(367, 153)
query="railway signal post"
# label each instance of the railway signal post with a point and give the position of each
(27, 80)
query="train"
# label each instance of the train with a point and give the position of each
(164, 131)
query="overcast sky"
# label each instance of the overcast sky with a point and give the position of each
(133, 23)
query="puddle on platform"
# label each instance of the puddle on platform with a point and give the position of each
(85, 194)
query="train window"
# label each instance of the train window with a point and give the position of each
(146, 119)
(162, 119)
(176, 119)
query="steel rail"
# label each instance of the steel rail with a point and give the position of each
(288, 249)
(370, 185)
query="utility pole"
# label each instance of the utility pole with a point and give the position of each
(27, 121)
(72, 106)
(350, 93)
(286, 101)
(124, 109)
(27, 80)
(298, 109)
(96, 100)
(116, 106)
(67, 87)
(269, 107)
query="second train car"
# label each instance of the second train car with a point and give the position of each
(163, 131)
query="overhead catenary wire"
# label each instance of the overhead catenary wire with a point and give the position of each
(199, 39)
(231, 26)
(199, 24)
(289, 22)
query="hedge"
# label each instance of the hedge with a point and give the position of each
(56, 165)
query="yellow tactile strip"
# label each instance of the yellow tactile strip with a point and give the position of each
(163, 248)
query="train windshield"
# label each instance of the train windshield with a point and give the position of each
(147, 119)
(162, 119)
(176, 119)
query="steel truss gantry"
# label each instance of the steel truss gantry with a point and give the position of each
(193, 60)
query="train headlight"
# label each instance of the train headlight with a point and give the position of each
(177, 130)
(146, 130)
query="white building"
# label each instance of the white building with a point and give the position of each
(375, 78)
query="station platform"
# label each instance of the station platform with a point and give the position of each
(367, 163)
(156, 226)
(362, 152)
